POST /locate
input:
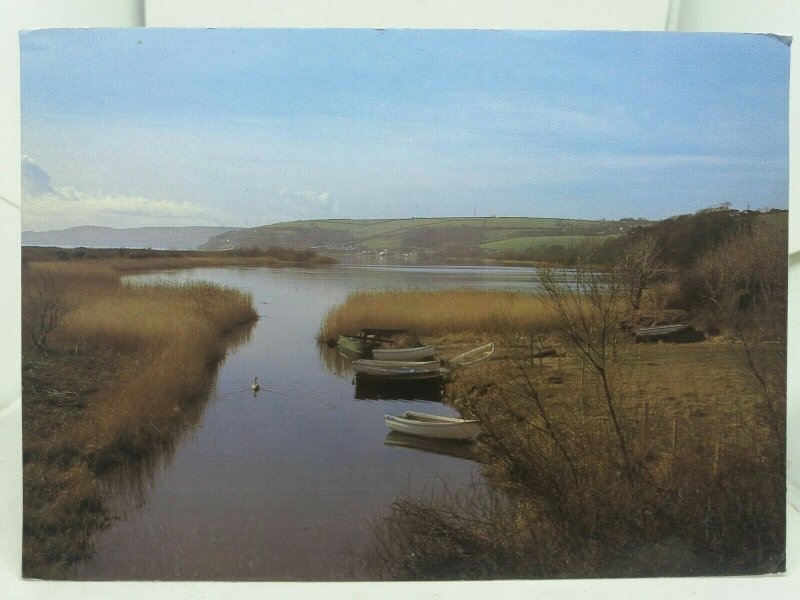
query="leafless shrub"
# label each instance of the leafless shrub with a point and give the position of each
(636, 269)
(45, 303)
(476, 533)
(588, 316)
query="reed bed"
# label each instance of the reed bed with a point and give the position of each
(125, 368)
(439, 312)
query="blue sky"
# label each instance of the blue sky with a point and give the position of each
(245, 127)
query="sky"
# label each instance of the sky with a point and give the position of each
(173, 127)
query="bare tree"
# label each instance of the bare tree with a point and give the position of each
(588, 313)
(45, 303)
(636, 269)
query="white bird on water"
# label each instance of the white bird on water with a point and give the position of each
(255, 387)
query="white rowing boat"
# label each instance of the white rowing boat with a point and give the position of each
(433, 426)
(394, 369)
(472, 357)
(404, 354)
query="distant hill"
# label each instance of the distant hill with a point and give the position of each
(447, 234)
(166, 238)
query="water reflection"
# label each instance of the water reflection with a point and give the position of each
(456, 448)
(371, 388)
(125, 488)
(335, 361)
(272, 486)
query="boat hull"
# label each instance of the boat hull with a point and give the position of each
(473, 357)
(404, 354)
(397, 369)
(433, 426)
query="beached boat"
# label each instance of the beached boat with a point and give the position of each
(394, 369)
(404, 354)
(472, 357)
(433, 426)
(677, 333)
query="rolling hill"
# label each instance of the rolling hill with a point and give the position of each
(451, 234)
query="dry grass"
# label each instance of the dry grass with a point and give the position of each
(438, 312)
(124, 373)
(695, 487)
(707, 498)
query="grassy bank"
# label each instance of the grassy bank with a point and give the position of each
(114, 383)
(438, 312)
(613, 459)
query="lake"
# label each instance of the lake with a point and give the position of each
(283, 484)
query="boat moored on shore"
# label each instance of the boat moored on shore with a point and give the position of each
(433, 426)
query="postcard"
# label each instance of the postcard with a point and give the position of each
(366, 305)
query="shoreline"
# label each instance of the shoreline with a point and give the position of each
(124, 376)
(664, 470)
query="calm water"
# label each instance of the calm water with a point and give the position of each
(282, 485)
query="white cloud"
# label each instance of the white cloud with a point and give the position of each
(69, 208)
(35, 180)
(309, 203)
(45, 207)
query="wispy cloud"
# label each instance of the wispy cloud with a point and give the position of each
(46, 207)
(308, 203)
(68, 207)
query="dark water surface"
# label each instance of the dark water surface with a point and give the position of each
(282, 485)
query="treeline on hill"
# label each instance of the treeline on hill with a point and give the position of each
(680, 240)
(680, 252)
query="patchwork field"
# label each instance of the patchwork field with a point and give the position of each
(441, 234)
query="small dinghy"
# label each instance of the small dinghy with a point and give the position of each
(392, 369)
(433, 426)
(404, 354)
(473, 357)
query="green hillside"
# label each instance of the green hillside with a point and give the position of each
(450, 234)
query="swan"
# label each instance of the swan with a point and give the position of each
(255, 387)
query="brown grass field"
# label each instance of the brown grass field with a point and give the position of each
(122, 377)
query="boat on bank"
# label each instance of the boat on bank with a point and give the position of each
(404, 354)
(433, 426)
(393, 369)
(472, 357)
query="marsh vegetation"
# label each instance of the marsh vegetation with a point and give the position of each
(110, 373)
(614, 458)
